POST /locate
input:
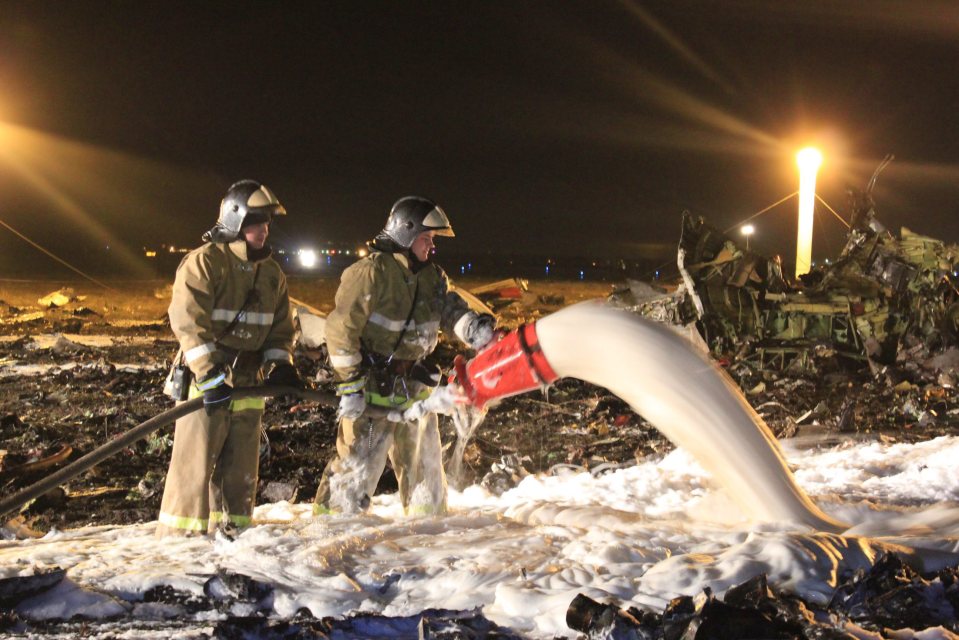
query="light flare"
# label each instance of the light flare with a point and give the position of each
(102, 191)
(307, 258)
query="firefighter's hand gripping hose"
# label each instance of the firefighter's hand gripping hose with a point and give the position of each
(16, 501)
(443, 400)
(351, 406)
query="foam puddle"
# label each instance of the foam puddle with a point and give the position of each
(640, 536)
(712, 514)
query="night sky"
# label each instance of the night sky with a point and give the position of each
(555, 128)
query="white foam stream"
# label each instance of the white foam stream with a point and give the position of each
(686, 397)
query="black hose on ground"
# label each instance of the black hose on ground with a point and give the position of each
(101, 453)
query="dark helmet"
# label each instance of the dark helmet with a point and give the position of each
(246, 202)
(411, 216)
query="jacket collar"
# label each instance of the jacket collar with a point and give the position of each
(240, 250)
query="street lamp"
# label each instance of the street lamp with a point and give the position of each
(747, 230)
(808, 160)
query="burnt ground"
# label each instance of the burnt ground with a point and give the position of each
(81, 397)
(86, 395)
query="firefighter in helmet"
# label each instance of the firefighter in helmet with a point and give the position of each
(390, 307)
(230, 312)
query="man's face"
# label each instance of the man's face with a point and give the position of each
(423, 245)
(255, 234)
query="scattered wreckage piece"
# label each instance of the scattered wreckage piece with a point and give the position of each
(45, 462)
(500, 294)
(60, 298)
(17, 588)
(882, 296)
(886, 597)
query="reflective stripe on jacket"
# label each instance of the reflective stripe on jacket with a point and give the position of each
(372, 304)
(211, 286)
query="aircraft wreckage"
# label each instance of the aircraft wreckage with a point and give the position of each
(884, 301)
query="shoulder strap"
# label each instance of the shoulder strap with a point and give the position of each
(250, 296)
(409, 316)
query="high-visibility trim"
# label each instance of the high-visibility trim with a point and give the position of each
(198, 352)
(243, 404)
(394, 402)
(346, 361)
(210, 383)
(322, 510)
(423, 510)
(350, 386)
(185, 523)
(246, 404)
(277, 354)
(387, 323)
(431, 327)
(217, 517)
(397, 325)
(462, 325)
(245, 317)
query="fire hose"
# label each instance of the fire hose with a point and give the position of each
(659, 374)
(101, 453)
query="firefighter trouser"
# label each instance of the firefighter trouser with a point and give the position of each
(362, 447)
(213, 469)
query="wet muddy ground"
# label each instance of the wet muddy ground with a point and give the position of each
(76, 375)
(61, 398)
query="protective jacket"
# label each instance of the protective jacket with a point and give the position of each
(379, 296)
(387, 319)
(213, 470)
(213, 284)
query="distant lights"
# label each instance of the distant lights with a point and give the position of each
(307, 258)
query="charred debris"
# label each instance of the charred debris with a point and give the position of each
(884, 313)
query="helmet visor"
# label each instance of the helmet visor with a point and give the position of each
(437, 221)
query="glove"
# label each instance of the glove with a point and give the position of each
(284, 374)
(352, 406)
(479, 333)
(217, 391)
(429, 374)
(442, 400)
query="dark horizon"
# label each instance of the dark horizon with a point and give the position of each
(556, 129)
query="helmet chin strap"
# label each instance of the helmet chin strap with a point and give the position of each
(219, 234)
(415, 263)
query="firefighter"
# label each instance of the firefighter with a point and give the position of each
(230, 313)
(390, 307)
